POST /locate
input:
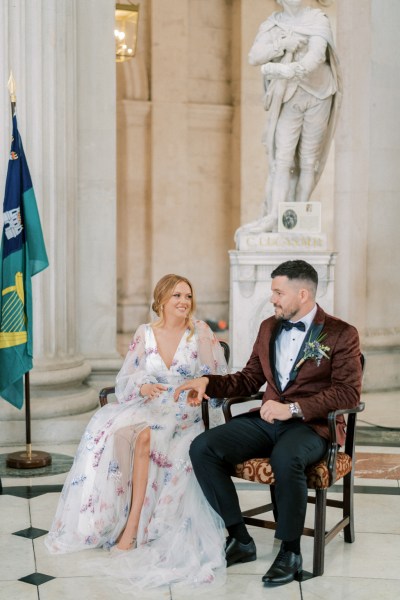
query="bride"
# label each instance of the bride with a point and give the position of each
(131, 487)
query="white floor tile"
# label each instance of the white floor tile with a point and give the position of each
(16, 557)
(43, 509)
(17, 590)
(245, 586)
(14, 514)
(75, 564)
(394, 483)
(375, 553)
(377, 513)
(350, 588)
(93, 588)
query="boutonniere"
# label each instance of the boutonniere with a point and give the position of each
(314, 349)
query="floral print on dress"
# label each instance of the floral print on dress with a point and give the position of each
(95, 501)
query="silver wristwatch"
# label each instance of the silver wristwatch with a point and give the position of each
(294, 409)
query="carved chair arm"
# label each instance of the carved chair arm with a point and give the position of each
(350, 423)
(350, 437)
(228, 402)
(104, 393)
(226, 406)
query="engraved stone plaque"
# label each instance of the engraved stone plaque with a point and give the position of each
(299, 217)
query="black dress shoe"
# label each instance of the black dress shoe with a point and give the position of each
(236, 552)
(284, 569)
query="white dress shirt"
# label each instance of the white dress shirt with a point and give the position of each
(287, 347)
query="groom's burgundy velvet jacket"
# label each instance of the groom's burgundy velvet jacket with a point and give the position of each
(333, 385)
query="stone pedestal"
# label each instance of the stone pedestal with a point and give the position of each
(277, 242)
(250, 290)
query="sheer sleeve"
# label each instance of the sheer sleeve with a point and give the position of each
(133, 373)
(211, 361)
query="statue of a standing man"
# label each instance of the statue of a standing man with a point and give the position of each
(302, 95)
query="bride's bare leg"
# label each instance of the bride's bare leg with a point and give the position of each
(139, 484)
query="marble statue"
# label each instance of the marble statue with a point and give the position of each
(303, 90)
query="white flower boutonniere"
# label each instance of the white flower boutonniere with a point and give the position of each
(314, 349)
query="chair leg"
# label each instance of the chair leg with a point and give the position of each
(319, 532)
(273, 500)
(348, 506)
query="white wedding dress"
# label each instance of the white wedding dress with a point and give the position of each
(180, 537)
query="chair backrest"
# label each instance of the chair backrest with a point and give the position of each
(204, 404)
(226, 349)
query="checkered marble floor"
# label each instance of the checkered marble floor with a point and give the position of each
(367, 569)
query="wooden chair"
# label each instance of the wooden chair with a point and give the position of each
(338, 464)
(107, 391)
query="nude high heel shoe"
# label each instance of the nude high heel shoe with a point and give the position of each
(114, 551)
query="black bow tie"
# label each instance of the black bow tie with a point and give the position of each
(289, 325)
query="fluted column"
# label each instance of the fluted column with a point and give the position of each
(170, 152)
(367, 211)
(62, 59)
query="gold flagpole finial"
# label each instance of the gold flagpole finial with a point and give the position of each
(12, 88)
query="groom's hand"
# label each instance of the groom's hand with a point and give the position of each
(197, 390)
(271, 410)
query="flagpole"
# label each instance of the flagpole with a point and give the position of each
(28, 416)
(27, 459)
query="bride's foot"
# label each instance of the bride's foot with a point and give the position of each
(125, 544)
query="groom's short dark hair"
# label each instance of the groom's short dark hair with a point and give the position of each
(296, 269)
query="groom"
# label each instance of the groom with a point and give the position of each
(312, 365)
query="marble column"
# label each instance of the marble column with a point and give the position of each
(190, 143)
(250, 165)
(169, 195)
(133, 181)
(367, 178)
(134, 242)
(61, 54)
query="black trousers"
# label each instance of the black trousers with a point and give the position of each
(290, 445)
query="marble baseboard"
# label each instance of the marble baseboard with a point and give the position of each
(377, 466)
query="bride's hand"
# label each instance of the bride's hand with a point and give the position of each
(152, 390)
(192, 398)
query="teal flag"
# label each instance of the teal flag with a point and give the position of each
(22, 255)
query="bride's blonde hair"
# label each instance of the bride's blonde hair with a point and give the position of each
(163, 292)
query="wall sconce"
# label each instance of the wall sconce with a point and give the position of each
(125, 32)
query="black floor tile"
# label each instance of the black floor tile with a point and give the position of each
(31, 532)
(305, 575)
(36, 578)
(30, 491)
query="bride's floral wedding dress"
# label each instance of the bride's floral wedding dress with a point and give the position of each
(180, 537)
